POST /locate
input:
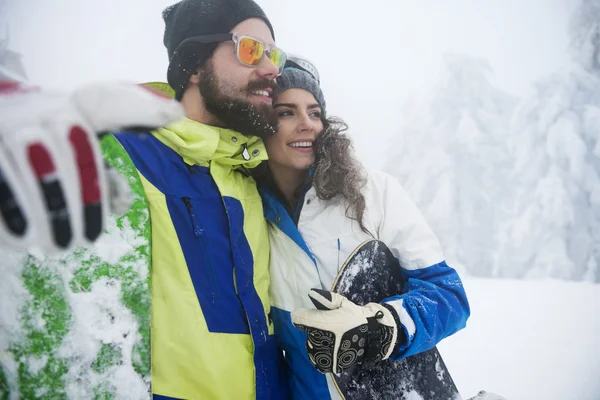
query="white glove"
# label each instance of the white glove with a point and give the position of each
(55, 191)
(341, 334)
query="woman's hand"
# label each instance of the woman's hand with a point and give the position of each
(341, 334)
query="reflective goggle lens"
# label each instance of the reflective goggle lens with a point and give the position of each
(278, 58)
(250, 51)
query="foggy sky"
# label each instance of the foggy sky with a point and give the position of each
(371, 54)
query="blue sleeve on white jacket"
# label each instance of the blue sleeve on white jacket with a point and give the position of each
(435, 300)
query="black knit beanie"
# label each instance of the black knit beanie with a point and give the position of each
(294, 78)
(190, 18)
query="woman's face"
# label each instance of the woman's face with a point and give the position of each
(300, 123)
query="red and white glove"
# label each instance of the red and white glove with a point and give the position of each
(55, 189)
(341, 334)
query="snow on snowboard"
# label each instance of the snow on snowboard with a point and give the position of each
(78, 326)
(372, 274)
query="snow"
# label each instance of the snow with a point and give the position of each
(359, 263)
(116, 243)
(36, 364)
(13, 295)
(97, 317)
(413, 396)
(528, 340)
(510, 185)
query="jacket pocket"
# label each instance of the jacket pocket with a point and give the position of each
(201, 236)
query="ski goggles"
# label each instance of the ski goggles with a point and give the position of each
(248, 50)
(303, 64)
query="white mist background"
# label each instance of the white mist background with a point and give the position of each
(371, 54)
(487, 112)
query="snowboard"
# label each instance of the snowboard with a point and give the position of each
(77, 326)
(371, 274)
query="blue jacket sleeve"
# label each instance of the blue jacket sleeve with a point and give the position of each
(433, 305)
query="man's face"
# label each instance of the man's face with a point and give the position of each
(240, 97)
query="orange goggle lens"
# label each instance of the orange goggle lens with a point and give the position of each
(251, 52)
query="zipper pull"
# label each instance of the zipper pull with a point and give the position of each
(198, 231)
(246, 153)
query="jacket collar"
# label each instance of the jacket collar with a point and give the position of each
(266, 182)
(198, 143)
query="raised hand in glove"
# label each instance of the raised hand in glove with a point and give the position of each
(55, 188)
(341, 334)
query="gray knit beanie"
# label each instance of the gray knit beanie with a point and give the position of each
(190, 18)
(294, 78)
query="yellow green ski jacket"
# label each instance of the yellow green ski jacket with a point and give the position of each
(211, 334)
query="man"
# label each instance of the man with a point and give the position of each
(212, 337)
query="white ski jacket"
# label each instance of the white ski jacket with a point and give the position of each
(308, 255)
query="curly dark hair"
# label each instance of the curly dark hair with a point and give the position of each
(337, 171)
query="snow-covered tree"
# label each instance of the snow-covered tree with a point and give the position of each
(453, 159)
(11, 66)
(512, 191)
(555, 227)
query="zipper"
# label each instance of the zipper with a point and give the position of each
(339, 250)
(199, 233)
(235, 286)
(300, 203)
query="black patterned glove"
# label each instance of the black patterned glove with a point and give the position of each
(341, 334)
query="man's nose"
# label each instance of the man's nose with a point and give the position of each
(267, 69)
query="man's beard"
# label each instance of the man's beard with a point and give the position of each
(235, 112)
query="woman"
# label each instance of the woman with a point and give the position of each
(322, 205)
